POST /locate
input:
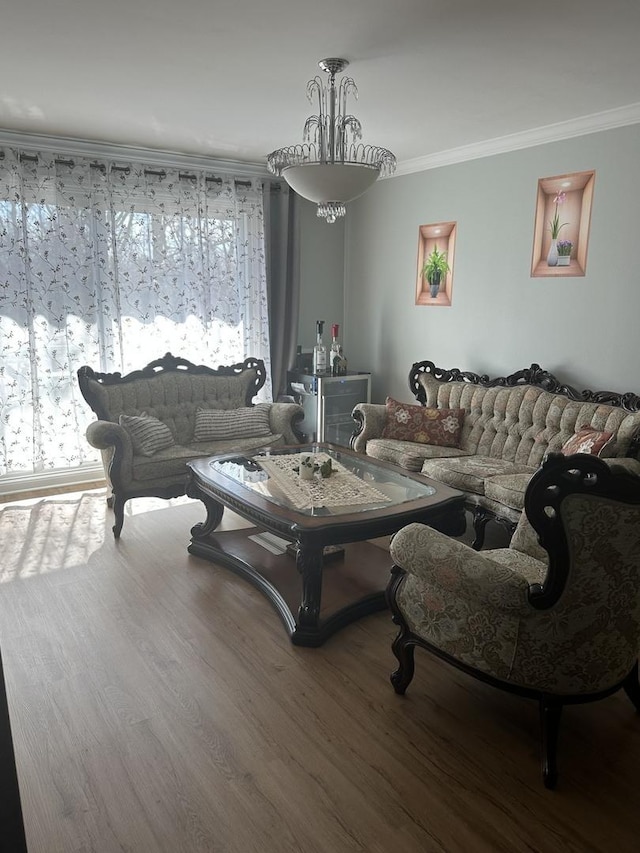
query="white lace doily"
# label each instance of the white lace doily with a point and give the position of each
(342, 488)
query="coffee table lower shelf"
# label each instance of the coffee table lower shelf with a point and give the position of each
(353, 585)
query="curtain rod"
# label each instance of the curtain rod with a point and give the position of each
(64, 146)
(160, 173)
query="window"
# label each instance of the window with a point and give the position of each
(114, 265)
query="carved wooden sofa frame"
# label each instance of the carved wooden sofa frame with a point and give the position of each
(173, 389)
(426, 381)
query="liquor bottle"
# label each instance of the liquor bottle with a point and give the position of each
(341, 368)
(334, 352)
(319, 350)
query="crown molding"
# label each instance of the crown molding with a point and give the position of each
(113, 151)
(607, 120)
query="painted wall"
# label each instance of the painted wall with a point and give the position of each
(321, 275)
(583, 329)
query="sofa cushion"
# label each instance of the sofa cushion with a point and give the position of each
(587, 440)
(501, 510)
(408, 454)
(171, 462)
(508, 489)
(148, 435)
(626, 463)
(219, 425)
(469, 473)
(441, 427)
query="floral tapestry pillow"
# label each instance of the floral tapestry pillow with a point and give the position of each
(587, 439)
(441, 427)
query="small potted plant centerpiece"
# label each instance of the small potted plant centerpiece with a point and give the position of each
(564, 252)
(307, 467)
(435, 269)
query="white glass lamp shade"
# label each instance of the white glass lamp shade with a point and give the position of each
(326, 182)
(331, 167)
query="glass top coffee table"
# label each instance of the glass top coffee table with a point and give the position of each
(308, 552)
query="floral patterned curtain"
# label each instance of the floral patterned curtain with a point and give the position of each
(113, 265)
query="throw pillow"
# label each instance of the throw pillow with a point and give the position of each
(587, 439)
(148, 434)
(441, 427)
(220, 424)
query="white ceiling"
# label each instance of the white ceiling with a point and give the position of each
(226, 78)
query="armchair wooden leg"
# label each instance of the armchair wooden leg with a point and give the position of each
(550, 712)
(632, 687)
(403, 646)
(404, 651)
(118, 509)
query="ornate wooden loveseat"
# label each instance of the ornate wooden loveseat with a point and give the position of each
(152, 421)
(505, 425)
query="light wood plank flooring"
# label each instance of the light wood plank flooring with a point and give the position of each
(157, 705)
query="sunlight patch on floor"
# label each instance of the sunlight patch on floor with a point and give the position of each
(43, 535)
(47, 534)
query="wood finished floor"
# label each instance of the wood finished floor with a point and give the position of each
(157, 705)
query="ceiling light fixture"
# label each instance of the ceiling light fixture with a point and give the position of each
(331, 167)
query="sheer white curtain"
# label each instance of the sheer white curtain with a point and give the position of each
(112, 265)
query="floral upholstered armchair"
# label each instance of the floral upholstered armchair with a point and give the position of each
(554, 617)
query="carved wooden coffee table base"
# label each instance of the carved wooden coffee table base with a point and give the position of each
(314, 598)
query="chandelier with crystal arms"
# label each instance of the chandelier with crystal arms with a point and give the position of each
(331, 167)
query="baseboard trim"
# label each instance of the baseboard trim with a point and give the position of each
(18, 486)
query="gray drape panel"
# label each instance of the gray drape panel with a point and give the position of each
(282, 250)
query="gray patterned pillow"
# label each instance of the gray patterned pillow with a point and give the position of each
(220, 424)
(148, 434)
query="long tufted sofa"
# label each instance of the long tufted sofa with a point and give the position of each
(175, 392)
(510, 423)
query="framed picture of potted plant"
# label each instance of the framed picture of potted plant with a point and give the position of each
(436, 249)
(563, 218)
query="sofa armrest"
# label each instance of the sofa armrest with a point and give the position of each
(371, 419)
(284, 418)
(106, 434)
(109, 436)
(459, 571)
